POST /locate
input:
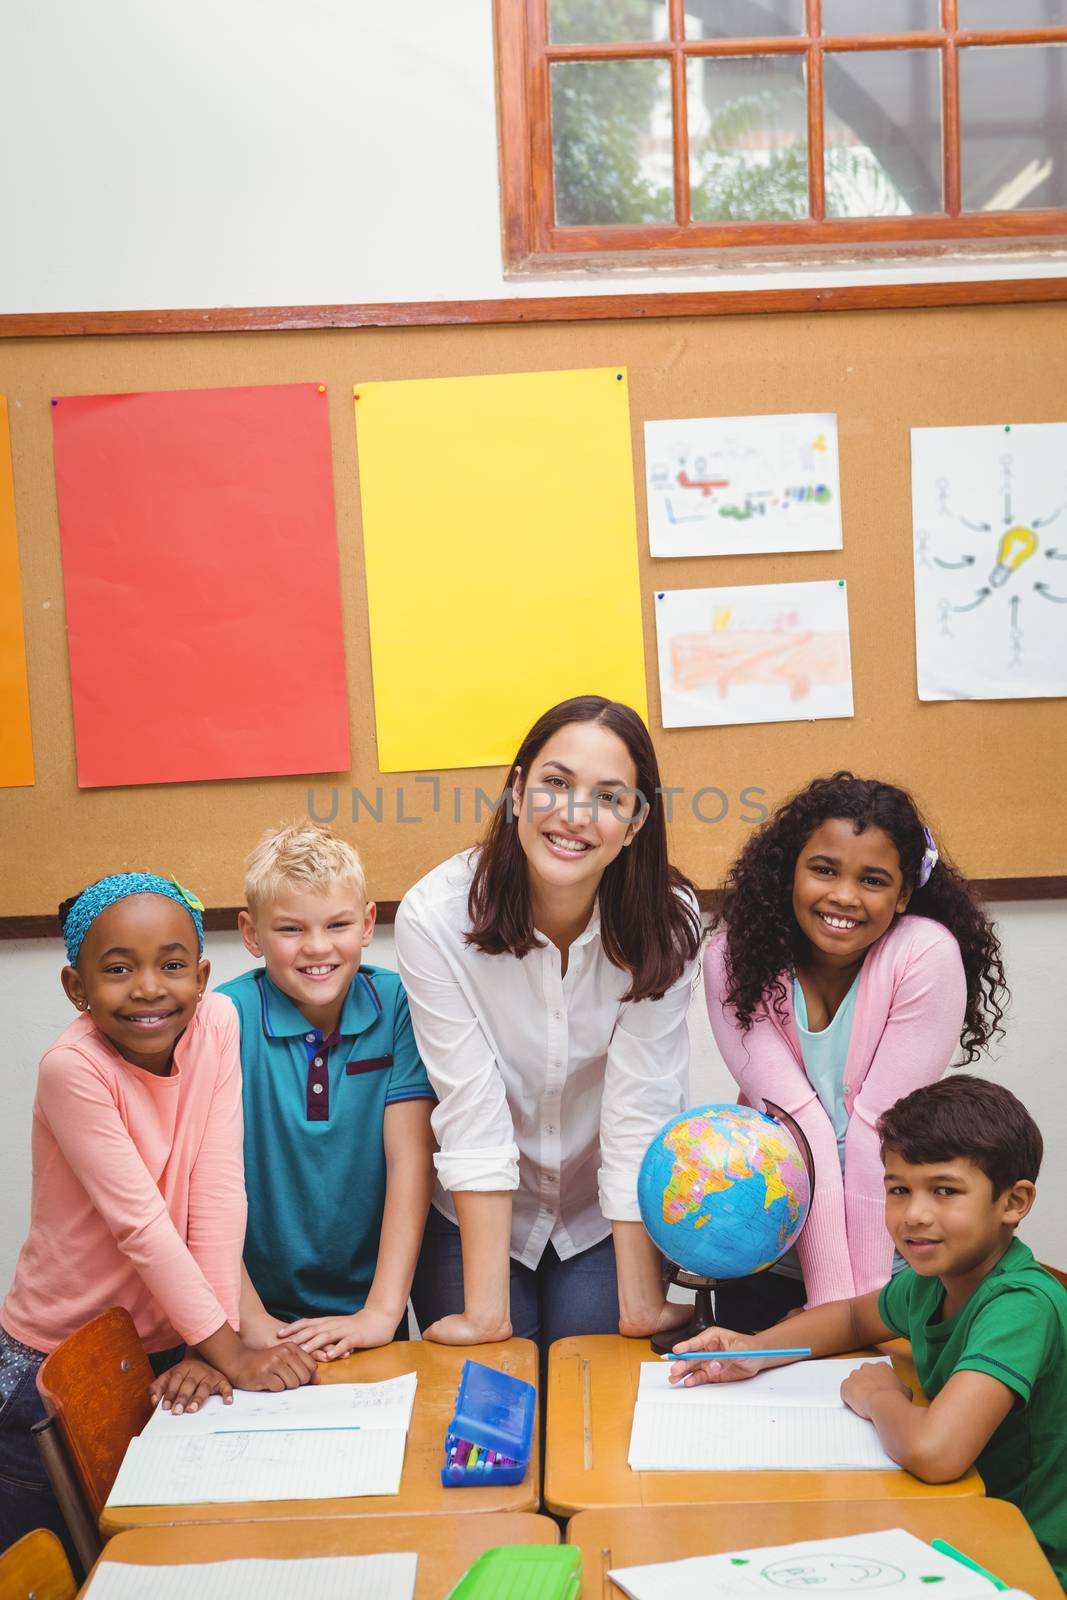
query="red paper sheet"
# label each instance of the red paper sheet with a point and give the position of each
(201, 577)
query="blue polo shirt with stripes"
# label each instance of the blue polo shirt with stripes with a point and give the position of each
(314, 1112)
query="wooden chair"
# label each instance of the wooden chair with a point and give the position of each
(1060, 1277)
(95, 1389)
(36, 1568)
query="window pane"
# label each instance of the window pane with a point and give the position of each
(748, 139)
(1013, 127)
(611, 141)
(883, 133)
(743, 19)
(880, 16)
(1017, 14)
(606, 21)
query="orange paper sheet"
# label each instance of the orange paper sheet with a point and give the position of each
(16, 748)
(201, 575)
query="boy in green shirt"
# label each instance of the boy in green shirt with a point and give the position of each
(987, 1324)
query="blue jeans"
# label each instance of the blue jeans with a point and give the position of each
(554, 1300)
(26, 1498)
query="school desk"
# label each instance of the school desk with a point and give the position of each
(991, 1532)
(592, 1387)
(446, 1546)
(439, 1367)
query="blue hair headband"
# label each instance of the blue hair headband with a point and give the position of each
(929, 860)
(89, 904)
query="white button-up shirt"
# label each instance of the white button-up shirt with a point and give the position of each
(550, 1085)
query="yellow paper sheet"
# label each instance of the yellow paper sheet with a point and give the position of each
(501, 546)
(16, 749)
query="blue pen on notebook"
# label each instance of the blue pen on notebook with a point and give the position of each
(735, 1355)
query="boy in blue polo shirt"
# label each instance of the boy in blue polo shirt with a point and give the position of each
(338, 1148)
(987, 1324)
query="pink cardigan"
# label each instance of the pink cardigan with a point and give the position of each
(138, 1188)
(909, 1015)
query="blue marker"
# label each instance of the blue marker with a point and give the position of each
(735, 1355)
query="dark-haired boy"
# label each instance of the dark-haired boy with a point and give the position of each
(987, 1324)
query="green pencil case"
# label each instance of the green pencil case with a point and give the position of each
(523, 1572)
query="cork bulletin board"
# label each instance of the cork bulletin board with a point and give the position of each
(991, 775)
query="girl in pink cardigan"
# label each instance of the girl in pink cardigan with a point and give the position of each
(851, 960)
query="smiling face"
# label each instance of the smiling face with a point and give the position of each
(944, 1217)
(572, 811)
(312, 945)
(139, 977)
(847, 888)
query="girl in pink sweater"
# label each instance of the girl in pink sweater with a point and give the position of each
(850, 962)
(138, 1179)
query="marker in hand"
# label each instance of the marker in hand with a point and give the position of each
(736, 1355)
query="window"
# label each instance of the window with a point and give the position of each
(692, 125)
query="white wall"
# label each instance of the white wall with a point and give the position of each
(1030, 1059)
(260, 153)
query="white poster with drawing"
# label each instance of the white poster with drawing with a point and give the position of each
(989, 508)
(721, 486)
(775, 652)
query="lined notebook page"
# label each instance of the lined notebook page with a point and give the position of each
(379, 1577)
(167, 1469)
(789, 1419)
(328, 1405)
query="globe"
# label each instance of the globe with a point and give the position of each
(724, 1191)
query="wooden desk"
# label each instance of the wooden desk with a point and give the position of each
(990, 1531)
(446, 1546)
(438, 1367)
(592, 1387)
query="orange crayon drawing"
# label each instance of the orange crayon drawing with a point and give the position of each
(798, 660)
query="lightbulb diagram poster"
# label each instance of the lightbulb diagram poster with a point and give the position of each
(774, 652)
(16, 749)
(719, 486)
(989, 511)
(501, 546)
(202, 585)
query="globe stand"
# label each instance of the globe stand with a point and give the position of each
(703, 1315)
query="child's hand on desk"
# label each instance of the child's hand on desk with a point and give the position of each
(861, 1387)
(284, 1367)
(329, 1338)
(725, 1363)
(459, 1328)
(261, 1333)
(186, 1385)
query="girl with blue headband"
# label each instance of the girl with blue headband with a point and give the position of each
(852, 962)
(138, 1180)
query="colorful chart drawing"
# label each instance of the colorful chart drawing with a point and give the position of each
(742, 485)
(502, 576)
(16, 748)
(990, 519)
(201, 578)
(769, 653)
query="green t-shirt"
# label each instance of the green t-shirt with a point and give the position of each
(1013, 1328)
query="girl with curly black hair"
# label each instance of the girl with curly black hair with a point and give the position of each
(850, 962)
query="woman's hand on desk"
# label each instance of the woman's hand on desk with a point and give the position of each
(461, 1328)
(725, 1363)
(330, 1338)
(663, 1317)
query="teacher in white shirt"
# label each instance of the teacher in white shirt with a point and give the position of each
(549, 974)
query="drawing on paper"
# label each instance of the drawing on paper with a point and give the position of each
(989, 508)
(765, 653)
(827, 1570)
(743, 485)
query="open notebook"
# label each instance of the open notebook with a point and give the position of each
(788, 1419)
(327, 1441)
(854, 1564)
(379, 1577)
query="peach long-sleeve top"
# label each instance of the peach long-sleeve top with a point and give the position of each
(909, 1013)
(138, 1188)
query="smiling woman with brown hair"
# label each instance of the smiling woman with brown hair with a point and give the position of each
(549, 974)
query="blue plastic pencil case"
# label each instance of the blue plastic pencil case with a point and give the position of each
(489, 1438)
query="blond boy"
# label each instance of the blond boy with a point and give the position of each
(338, 1149)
